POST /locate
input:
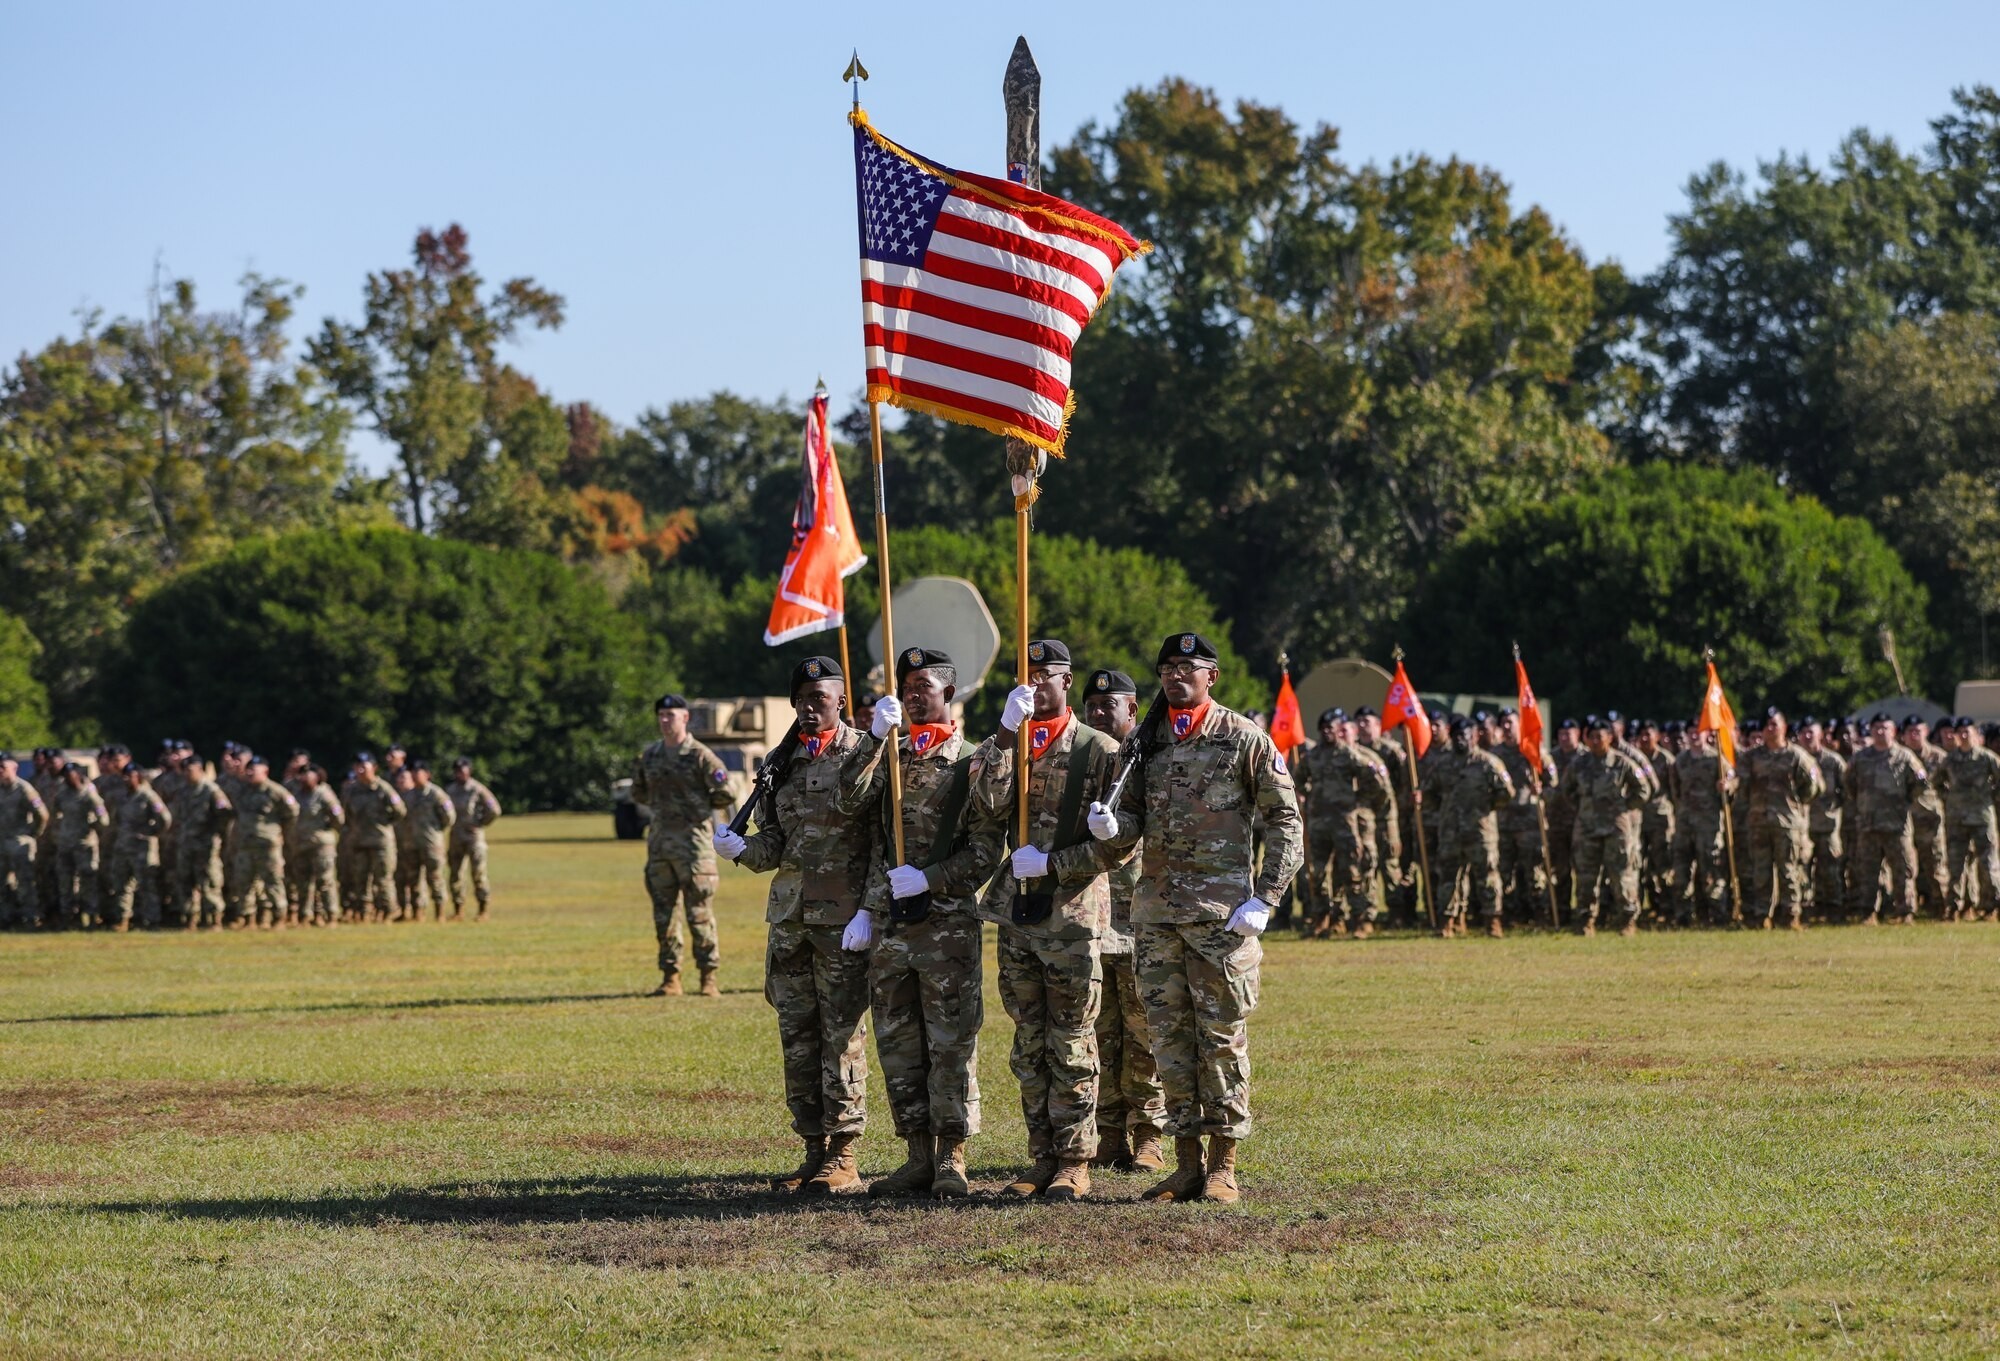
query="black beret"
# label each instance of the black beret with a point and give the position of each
(1879, 717)
(1646, 723)
(1333, 715)
(1753, 725)
(416, 766)
(1460, 723)
(1507, 711)
(917, 658)
(1808, 722)
(462, 763)
(258, 760)
(1366, 711)
(1613, 715)
(1911, 721)
(1435, 715)
(361, 756)
(1673, 726)
(1106, 682)
(1481, 716)
(1188, 645)
(1596, 724)
(397, 746)
(814, 669)
(1775, 712)
(1048, 652)
(670, 700)
(1569, 723)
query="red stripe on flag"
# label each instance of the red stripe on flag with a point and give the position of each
(1000, 281)
(978, 406)
(978, 318)
(967, 361)
(1013, 244)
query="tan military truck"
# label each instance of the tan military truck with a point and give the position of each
(740, 730)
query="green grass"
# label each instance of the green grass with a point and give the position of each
(481, 1140)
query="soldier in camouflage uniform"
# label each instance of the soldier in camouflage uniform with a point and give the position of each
(1783, 782)
(111, 788)
(1051, 977)
(23, 815)
(1435, 755)
(373, 809)
(309, 859)
(81, 820)
(1347, 793)
(432, 815)
(231, 778)
(1927, 819)
(684, 784)
(48, 782)
(924, 972)
(143, 820)
(1470, 788)
(1131, 1103)
(1398, 871)
(1200, 909)
(1969, 783)
(405, 785)
(476, 810)
(265, 815)
(820, 933)
(1562, 813)
(1884, 782)
(1611, 789)
(1700, 866)
(1524, 883)
(202, 818)
(1827, 871)
(1656, 823)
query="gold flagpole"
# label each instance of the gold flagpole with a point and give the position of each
(1425, 887)
(894, 763)
(846, 677)
(1728, 822)
(1021, 92)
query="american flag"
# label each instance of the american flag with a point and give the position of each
(974, 290)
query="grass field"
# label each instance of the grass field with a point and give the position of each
(482, 1140)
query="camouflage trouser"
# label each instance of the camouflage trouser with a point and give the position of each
(375, 877)
(1523, 883)
(924, 979)
(1562, 860)
(1053, 990)
(405, 892)
(470, 854)
(1972, 863)
(198, 880)
(1828, 873)
(672, 881)
(1312, 880)
(1343, 871)
(20, 903)
(135, 885)
(1607, 866)
(1700, 870)
(1199, 983)
(76, 882)
(257, 871)
(347, 867)
(1656, 857)
(315, 891)
(1932, 893)
(1873, 850)
(1129, 1094)
(1779, 855)
(1468, 870)
(47, 891)
(820, 993)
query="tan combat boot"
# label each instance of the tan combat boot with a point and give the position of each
(1113, 1150)
(1147, 1155)
(1588, 929)
(1365, 930)
(948, 1172)
(1071, 1182)
(837, 1176)
(709, 987)
(1494, 928)
(914, 1177)
(1220, 1185)
(670, 986)
(1630, 929)
(807, 1169)
(1036, 1179)
(1188, 1177)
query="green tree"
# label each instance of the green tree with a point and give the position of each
(24, 704)
(1613, 593)
(339, 640)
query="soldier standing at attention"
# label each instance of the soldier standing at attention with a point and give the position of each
(1927, 819)
(1700, 867)
(1656, 823)
(135, 852)
(1562, 812)
(170, 783)
(407, 909)
(1611, 791)
(373, 809)
(48, 782)
(23, 815)
(820, 933)
(924, 971)
(1397, 869)
(1052, 902)
(265, 813)
(202, 819)
(1317, 917)
(1783, 782)
(1472, 788)
(81, 820)
(1200, 909)
(1131, 1103)
(1523, 883)
(110, 785)
(432, 814)
(1969, 781)
(1347, 796)
(475, 810)
(230, 775)
(1826, 876)
(315, 892)
(1884, 782)
(685, 785)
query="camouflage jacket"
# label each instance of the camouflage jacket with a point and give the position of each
(142, 820)
(50, 784)
(1783, 784)
(1472, 787)
(1079, 867)
(320, 816)
(1969, 782)
(955, 872)
(1531, 786)
(80, 816)
(1346, 783)
(1883, 785)
(476, 810)
(22, 812)
(372, 810)
(202, 811)
(1610, 791)
(1928, 808)
(682, 785)
(265, 812)
(1826, 809)
(1645, 767)
(431, 817)
(1693, 782)
(111, 788)
(1562, 798)
(1427, 776)
(1189, 808)
(1660, 766)
(820, 853)
(170, 784)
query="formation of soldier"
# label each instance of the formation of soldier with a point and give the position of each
(190, 844)
(1124, 877)
(1623, 823)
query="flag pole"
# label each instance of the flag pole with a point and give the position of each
(1542, 822)
(894, 763)
(1728, 822)
(846, 677)
(1424, 885)
(1309, 913)
(1021, 92)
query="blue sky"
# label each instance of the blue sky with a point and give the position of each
(682, 174)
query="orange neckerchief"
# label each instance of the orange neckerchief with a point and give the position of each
(927, 737)
(814, 744)
(1042, 733)
(1186, 722)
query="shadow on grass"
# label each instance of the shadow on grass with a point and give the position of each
(412, 1004)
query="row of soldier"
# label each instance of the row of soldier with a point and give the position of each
(189, 844)
(1839, 820)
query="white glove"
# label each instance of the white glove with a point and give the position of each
(1251, 918)
(1030, 863)
(888, 716)
(728, 844)
(1019, 708)
(907, 881)
(860, 933)
(1103, 822)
